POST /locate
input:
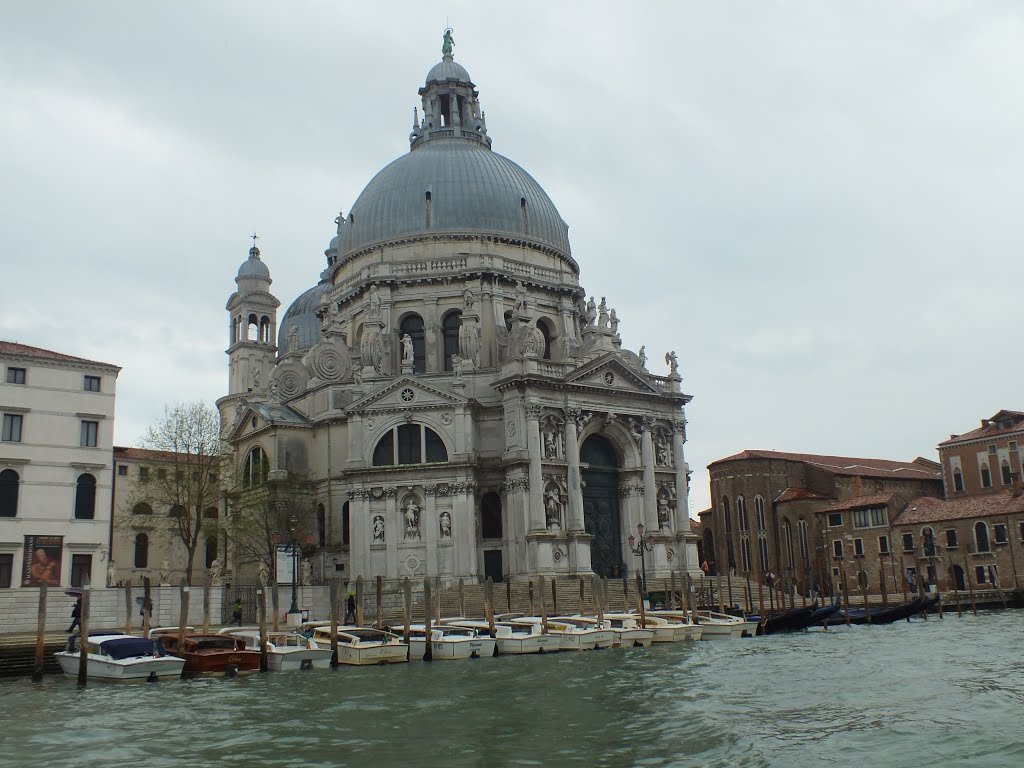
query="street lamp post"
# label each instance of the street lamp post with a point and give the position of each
(639, 548)
(292, 523)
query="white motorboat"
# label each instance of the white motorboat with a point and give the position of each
(628, 631)
(285, 650)
(680, 625)
(449, 642)
(572, 636)
(361, 645)
(120, 658)
(605, 636)
(514, 640)
(720, 626)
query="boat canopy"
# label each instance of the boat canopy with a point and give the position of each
(128, 647)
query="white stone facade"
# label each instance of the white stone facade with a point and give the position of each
(55, 470)
(462, 410)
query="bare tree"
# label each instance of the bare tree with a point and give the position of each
(186, 477)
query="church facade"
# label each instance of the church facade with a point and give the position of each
(458, 405)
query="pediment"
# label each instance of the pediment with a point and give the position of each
(406, 393)
(610, 372)
(266, 414)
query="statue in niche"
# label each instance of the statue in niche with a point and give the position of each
(215, 572)
(613, 321)
(552, 507)
(293, 338)
(165, 573)
(591, 311)
(374, 303)
(445, 520)
(457, 366)
(111, 573)
(550, 443)
(661, 451)
(642, 354)
(255, 379)
(602, 314)
(378, 528)
(407, 349)
(357, 377)
(411, 512)
(663, 513)
(468, 299)
(672, 362)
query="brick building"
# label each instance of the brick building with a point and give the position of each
(985, 459)
(784, 512)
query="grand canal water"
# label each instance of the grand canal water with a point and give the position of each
(926, 693)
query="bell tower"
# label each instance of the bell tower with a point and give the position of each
(252, 312)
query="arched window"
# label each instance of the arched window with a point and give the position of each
(265, 329)
(176, 510)
(981, 537)
(958, 479)
(409, 444)
(544, 325)
(759, 513)
(321, 525)
(252, 329)
(725, 513)
(1007, 478)
(413, 325)
(490, 516)
(787, 538)
(801, 528)
(986, 476)
(450, 330)
(741, 514)
(762, 545)
(142, 551)
(9, 484)
(211, 548)
(745, 554)
(85, 497)
(346, 523)
(256, 468)
(210, 513)
(142, 508)
(928, 539)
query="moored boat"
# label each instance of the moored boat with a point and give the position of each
(449, 642)
(361, 646)
(119, 658)
(721, 626)
(285, 650)
(681, 624)
(210, 653)
(627, 632)
(511, 639)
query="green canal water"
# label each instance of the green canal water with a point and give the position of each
(926, 693)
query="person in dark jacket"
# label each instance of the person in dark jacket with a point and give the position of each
(76, 615)
(350, 609)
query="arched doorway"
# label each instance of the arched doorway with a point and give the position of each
(601, 505)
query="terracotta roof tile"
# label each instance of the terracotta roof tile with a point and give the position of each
(928, 509)
(122, 453)
(695, 526)
(799, 494)
(15, 349)
(845, 465)
(862, 502)
(991, 430)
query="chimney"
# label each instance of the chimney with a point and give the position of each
(855, 487)
(1015, 484)
(984, 423)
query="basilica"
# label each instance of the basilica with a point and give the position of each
(458, 404)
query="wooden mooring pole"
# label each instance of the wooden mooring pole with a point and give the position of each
(261, 616)
(846, 595)
(625, 595)
(533, 604)
(508, 595)
(881, 582)
(37, 668)
(462, 598)
(582, 598)
(956, 589)
(543, 606)
(406, 609)
(554, 598)
(672, 599)
(970, 586)
(128, 609)
(206, 604)
(147, 606)
(595, 589)
(183, 597)
(380, 603)
(428, 652)
(83, 635)
(641, 600)
(903, 578)
(334, 622)
(359, 601)
(437, 601)
(489, 605)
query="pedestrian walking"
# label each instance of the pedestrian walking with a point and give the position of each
(236, 612)
(350, 609)
(76, 615)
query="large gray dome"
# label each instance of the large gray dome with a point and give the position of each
(471, 190)
(302, 315)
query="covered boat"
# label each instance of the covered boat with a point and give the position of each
(211, 654)
(285, 650)
(361, 646)
(119, 658)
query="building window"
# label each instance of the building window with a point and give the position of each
(15, 375)
(413, 325)
(176, 510)
(161, 474)
(81, 570)
(801, 528)
(143, 473)
(741, 514)
(210, 513)
(12, 428)
(142, 551)
(762, 546)
(545, 330)
(837, 549)
(346, 525)
(90, 431)
(85, 498)
(211, 548)
(883, 545)
(142, 508)
(986, 476)
(450, 332)
(862, 518)
(321, 525)
(122, 470)
(999, 533)
(958, 479)
(415, 444)
(1007, 478)
(992, 450)
(256, 468)
(835, 519)
(9, 486)
(745, 554)
(91, 384)
(1022, 531)
(759, 513)
(724, 506)
(490, 516)
(787, 539)
(879, 516)
(6, 570)
(858, 547)
(979, 574)
(908, 542)
(951, 538)
(981, 537)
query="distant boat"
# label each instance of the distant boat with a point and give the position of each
(360, 646)
(685, 628)
(285, 650)
(514, 639)
(791, 620)
(886, 615)
(119, 658)
(449, 642)
(209, 653)
(721, 626)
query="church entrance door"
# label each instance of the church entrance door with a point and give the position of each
(601, 505)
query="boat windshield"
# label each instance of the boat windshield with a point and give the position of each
(128, 647)
(215, 643)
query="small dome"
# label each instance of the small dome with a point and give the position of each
(253, 266)
(447, 69)
(302, 314)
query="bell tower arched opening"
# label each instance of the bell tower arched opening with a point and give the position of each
(601, 517)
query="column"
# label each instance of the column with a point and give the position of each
(536, 480)
(572, 456)
(429, 529)
(682, 490)
(650, 501)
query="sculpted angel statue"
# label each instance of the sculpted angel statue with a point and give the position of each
(672, 361)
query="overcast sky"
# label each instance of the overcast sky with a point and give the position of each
(816, 204)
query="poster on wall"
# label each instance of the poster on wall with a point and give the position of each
(43, 555)
(284, 564)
